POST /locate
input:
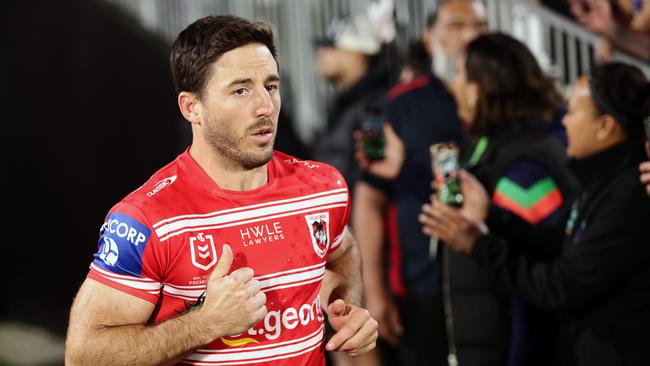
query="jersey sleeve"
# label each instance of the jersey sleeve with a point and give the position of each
(340, 218)
(124, 259)
(528, 191)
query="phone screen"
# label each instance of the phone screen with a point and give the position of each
(445, 165)
(372, 132)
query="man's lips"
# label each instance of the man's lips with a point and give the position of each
(262, 135)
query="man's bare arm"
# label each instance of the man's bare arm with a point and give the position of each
(343, 275)
(107, 326)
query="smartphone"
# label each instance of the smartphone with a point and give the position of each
(445, 166)
(372, 133)
(646, 125)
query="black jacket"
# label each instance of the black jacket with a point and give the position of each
(600, 283)
(479, 308)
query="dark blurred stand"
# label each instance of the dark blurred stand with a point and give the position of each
(90, 113)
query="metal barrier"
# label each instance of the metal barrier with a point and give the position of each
(564, 49)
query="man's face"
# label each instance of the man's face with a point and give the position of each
(458, 23)
(240, 106)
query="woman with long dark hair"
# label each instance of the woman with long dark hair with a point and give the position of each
(516, 151)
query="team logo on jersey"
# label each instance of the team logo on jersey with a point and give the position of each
(204, 255)
(320, 233)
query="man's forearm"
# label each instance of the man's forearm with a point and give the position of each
(160, 344)
(345, 279)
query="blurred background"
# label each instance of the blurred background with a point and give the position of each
(91, 113)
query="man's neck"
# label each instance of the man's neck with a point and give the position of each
(226, 174)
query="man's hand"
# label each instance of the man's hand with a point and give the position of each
(390, 166)
(383, 309)
(356, 330)
(233, 303)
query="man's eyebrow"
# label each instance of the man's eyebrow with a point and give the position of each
(269, 79)
(272, 78)
(240, 82)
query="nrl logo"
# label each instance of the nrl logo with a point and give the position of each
(204, 255)
(320, 233)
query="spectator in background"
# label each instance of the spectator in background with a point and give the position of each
(352, 57)
(448, 31)
(622, 24)
(600, 283)
(510, 106)
(422, 112)
(645, 166)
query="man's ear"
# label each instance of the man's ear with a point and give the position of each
(190, 106)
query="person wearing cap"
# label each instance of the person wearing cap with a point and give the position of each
(351, 58)
(600, 283)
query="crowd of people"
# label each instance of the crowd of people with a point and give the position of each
(235, 253)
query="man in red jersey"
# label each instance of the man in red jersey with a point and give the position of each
(225, 255)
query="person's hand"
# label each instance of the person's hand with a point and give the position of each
(451, 226)
(390, 166)
(475, 199)
(645, 175)
(233, 303)
(383, 309)
(356, 330)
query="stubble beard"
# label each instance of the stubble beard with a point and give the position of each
(230, 148)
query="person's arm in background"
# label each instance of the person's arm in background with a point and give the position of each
(108, 326)
(368, 216)
(529, 207)
(356, 330)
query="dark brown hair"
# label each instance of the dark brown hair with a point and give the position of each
(205, 40)
(622, 91)
(512, 86)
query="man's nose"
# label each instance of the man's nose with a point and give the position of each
(264, 104)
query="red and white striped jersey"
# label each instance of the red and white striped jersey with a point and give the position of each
(161, 242)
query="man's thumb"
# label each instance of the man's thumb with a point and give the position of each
(223, 266)
(337, 308)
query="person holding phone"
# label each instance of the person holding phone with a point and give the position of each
(516, 152)
(599, 283)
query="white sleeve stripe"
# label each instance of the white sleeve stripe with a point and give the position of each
(106, 273)
(133, 284)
